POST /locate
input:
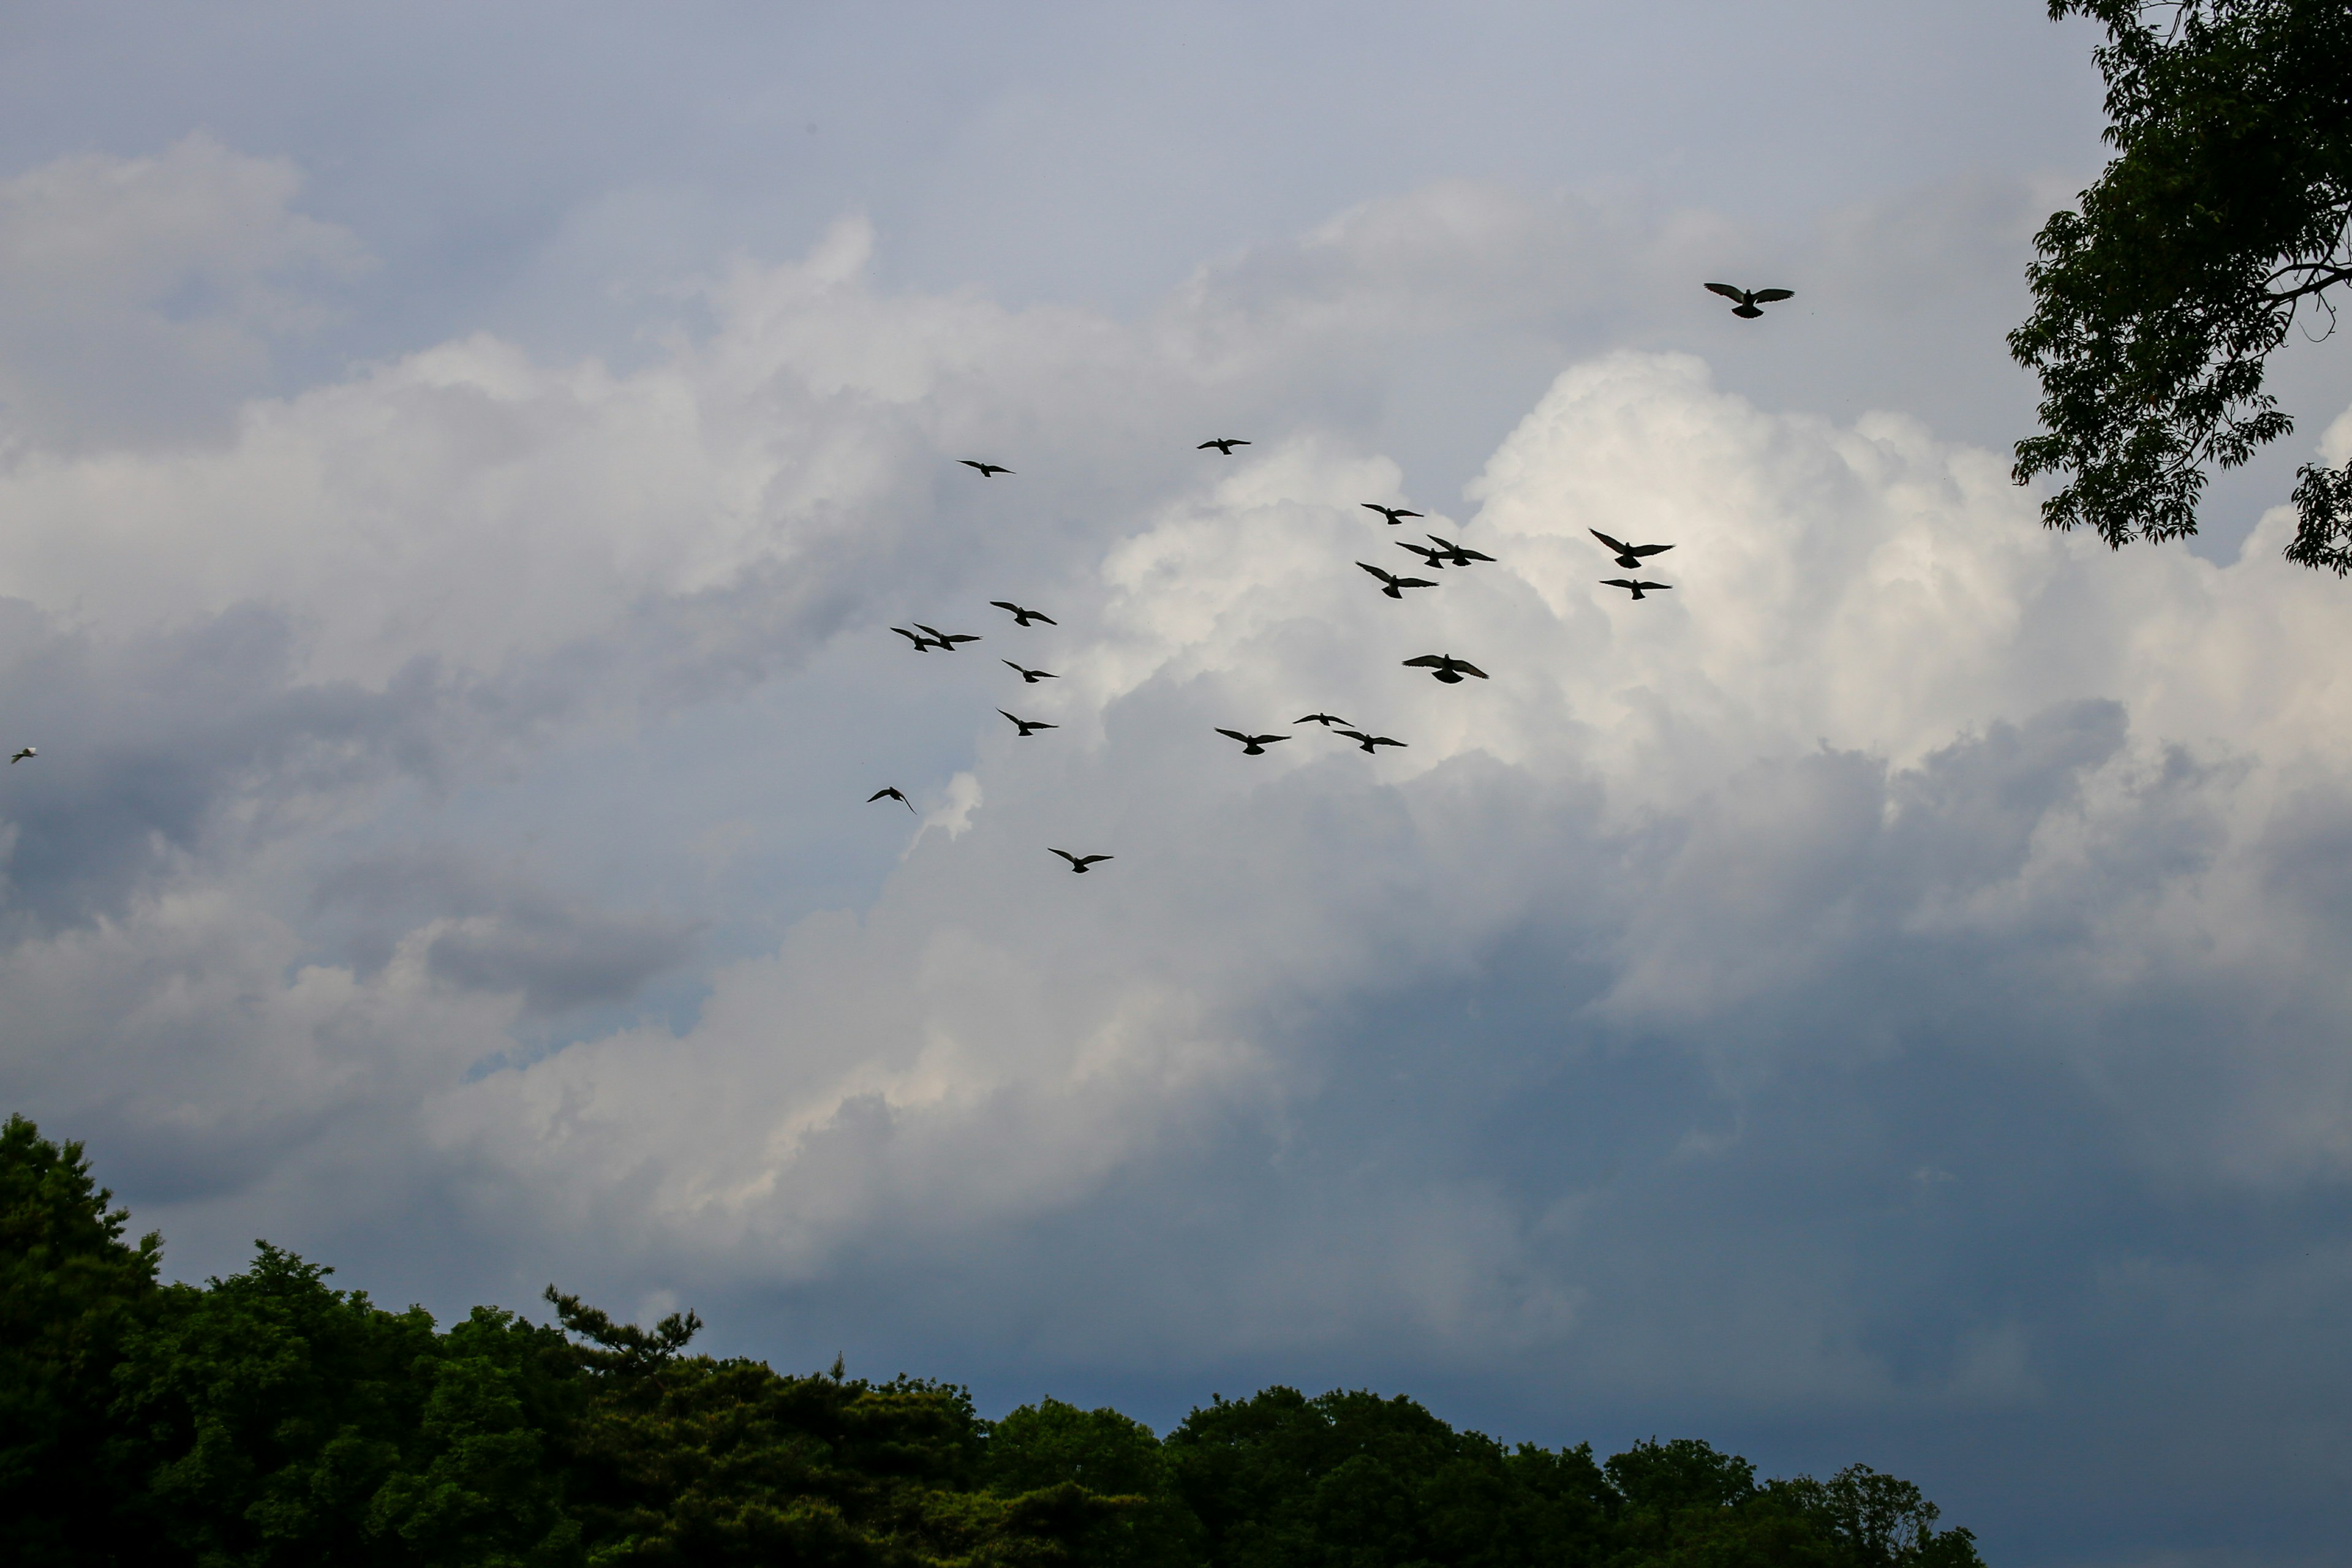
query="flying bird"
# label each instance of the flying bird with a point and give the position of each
(1032, 675)
(987, 470)
(1444, 666)
(1745, 300)
(1026, 725)
(1629, 556)
(892, 792)
(1079, 863)
(1395, 514)
(921, 641)
(1367, 742)
(1225, 446)
(945, 641)
(1453, 554)
(1432, 559)
(1326, 720)
(1393, 586)
(1640, 589)
(1021, 616)
(1252, 745)
(20, 756)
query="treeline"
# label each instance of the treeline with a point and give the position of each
(269, 1418)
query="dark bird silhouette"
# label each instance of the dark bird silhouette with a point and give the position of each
(1393, 586)
(1745, 300)
(1032, 675)
(1225, 446)
(1455, 554)
(945, 641)
(890, 792)
(1640, 589)
(1326, 720)
(1367, 742)
(1629, 556)
(987, 470)
(1252, 745)
(1432, 559)
(1077, 862)
(1444, 666)
(1021, 616)
(917, 638)
(20, 756)
(1026, 725)
(1395, 514)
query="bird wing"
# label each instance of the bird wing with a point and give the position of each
(1653, 585)
(1264, 740)
(1352, 734)
(1010, 716)
(1729, 291)
(1063, 854)
(1376, 572)
(879, 793)
(1006, 605)
(1615, 544)
(1373, 506)
(955, 636)
(1383, 740)
(1409, 582)
(1048, 619)
(1206, 445)
(1237, 735)
(1466, 668)
(1618, 583)
(1477, 555)
(1765, 296)
(1428, 661)
(1648, 548)
(910, 636)
(1089, 859)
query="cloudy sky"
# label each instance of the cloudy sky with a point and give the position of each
(1884, 999)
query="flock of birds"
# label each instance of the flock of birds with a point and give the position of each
(1436, 555)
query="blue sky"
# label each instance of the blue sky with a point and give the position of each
(1881, 999)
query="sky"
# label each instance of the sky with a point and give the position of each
(1883, 999)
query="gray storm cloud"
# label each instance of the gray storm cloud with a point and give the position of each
(1844, 983)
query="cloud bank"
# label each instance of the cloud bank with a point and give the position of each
(1892, 980)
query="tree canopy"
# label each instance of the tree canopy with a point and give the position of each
(2221, 223)
(270, 1419)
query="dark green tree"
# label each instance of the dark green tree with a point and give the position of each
(2220, 222)
(71, 1291)
(1041, 1447)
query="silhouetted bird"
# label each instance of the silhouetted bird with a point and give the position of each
(888, 792)
(1395, 514)
(1033, 676)
(1252, 745)
(1077, 862)
(1629, 556)
(1021, 616)
(1225, 446)
(1026, 725)
(1367, 742)
(1640, 589)
(1393, 586)
(987, 470)
(1444, 666)
(20, 756)
(1455, 554)
(1432, 559)
(1745, 300)
(1326, 720)
(945, 641)
(921, 641)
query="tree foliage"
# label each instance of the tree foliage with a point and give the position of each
(270, 1419)
(2220, 222)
